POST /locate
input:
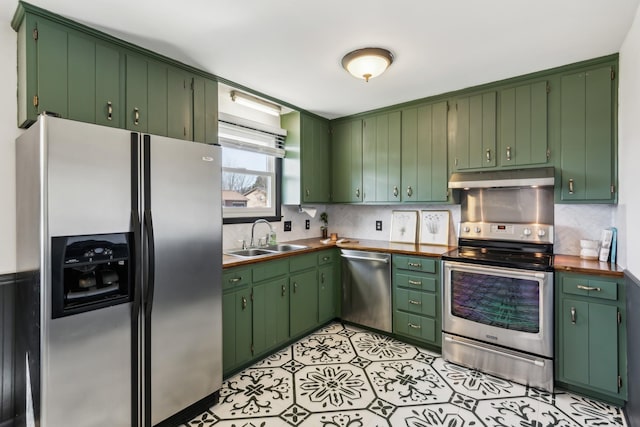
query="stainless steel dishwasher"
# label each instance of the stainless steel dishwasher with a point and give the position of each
(366, 289)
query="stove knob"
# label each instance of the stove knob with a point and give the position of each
(526, 232)
(541, 233)
(478, 229)
(466, 229)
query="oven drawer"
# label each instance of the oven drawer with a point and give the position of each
(595, 288)
(427, 265)
(415, 281)
(420, 327)
(416, 302)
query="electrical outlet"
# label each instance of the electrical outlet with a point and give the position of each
(378, 225)
(307, 224)
(287, 226)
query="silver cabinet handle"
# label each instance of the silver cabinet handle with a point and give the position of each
(415, 282)
(571, 186)
(409, 191)
(136, 116)
(509, 153)
(321, 277)
(573, 315)
(326, 258)
(395, 191)
(415, 302)
(588, 288)
(307, 192)
(109, 110)
(244, 303)
(235, 279)
(357, 193)
(488, 155)
(295, 287)
(284, 290)
(411, 325)
(415, 264)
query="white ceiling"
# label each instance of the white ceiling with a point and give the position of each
(291, 49)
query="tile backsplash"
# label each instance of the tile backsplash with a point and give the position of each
(572, 223)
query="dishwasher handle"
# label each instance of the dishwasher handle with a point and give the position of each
(363, 258)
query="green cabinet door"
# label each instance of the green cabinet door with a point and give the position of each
(346, 155)
(136, 112)
(179, 104)
(424, 153)
(327, 293)
(304, 302)
(236, 329)
(590, 343)
(270, 315)
(81, 78)
(475, 140)
(109, 107)
(52, 63)
(523, 125)
(321, 159)
(586, 136)
(205, 110)
(381, 157)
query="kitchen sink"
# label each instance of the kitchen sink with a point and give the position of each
(284, 247)
(267, 250)
(250, 253)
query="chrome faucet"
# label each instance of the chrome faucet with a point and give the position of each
(257, 221)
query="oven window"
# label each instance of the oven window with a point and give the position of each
(503, 302)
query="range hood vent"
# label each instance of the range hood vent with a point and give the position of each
(508, 178)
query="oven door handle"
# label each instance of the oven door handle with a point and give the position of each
(362, 258)
(536, 362)
(464, 267)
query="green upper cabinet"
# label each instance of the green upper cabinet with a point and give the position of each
(307, 164)
(137, 78)
(475, 139)
(424, 153)
(66, 72)
(179, 104)
(346, 159)
(523, 125)
(205, 110)
(587, 135)
(381, 157)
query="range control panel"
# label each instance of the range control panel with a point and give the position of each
(537, 233)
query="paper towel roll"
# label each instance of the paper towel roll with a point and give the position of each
(309, 211)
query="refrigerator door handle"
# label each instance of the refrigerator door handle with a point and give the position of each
(150, 276)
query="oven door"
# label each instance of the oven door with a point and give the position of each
(501, 306)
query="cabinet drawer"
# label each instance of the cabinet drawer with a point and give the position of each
(427, 265)
(423, 328)
(595, 288)
(302, 262)
(326, 257)
(416, 302)
(235, 277)
(415, 281)
(270, 269)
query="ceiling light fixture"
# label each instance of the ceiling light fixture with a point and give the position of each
(368, 62)
(255, 103)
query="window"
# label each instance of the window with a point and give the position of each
(251, 169)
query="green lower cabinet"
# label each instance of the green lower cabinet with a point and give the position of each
(416, 299)
(591, 336)
(327, 293)
(270, 315)
(237, 331)
(304, 302)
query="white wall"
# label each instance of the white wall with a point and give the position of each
(8, 134)
(628, 212)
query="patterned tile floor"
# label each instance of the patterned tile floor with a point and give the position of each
(341, 376)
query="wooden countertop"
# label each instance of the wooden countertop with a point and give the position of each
(315, 244)
(575, 264)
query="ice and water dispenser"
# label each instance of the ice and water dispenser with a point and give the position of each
(91, 272)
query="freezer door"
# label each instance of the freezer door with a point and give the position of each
(184, 323)
(86, 358)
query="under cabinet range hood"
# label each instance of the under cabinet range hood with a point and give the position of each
(534, 177)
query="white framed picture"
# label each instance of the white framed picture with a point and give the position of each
(434, 227)
(404, 225)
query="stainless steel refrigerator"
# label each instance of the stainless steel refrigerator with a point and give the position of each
(119, 271)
